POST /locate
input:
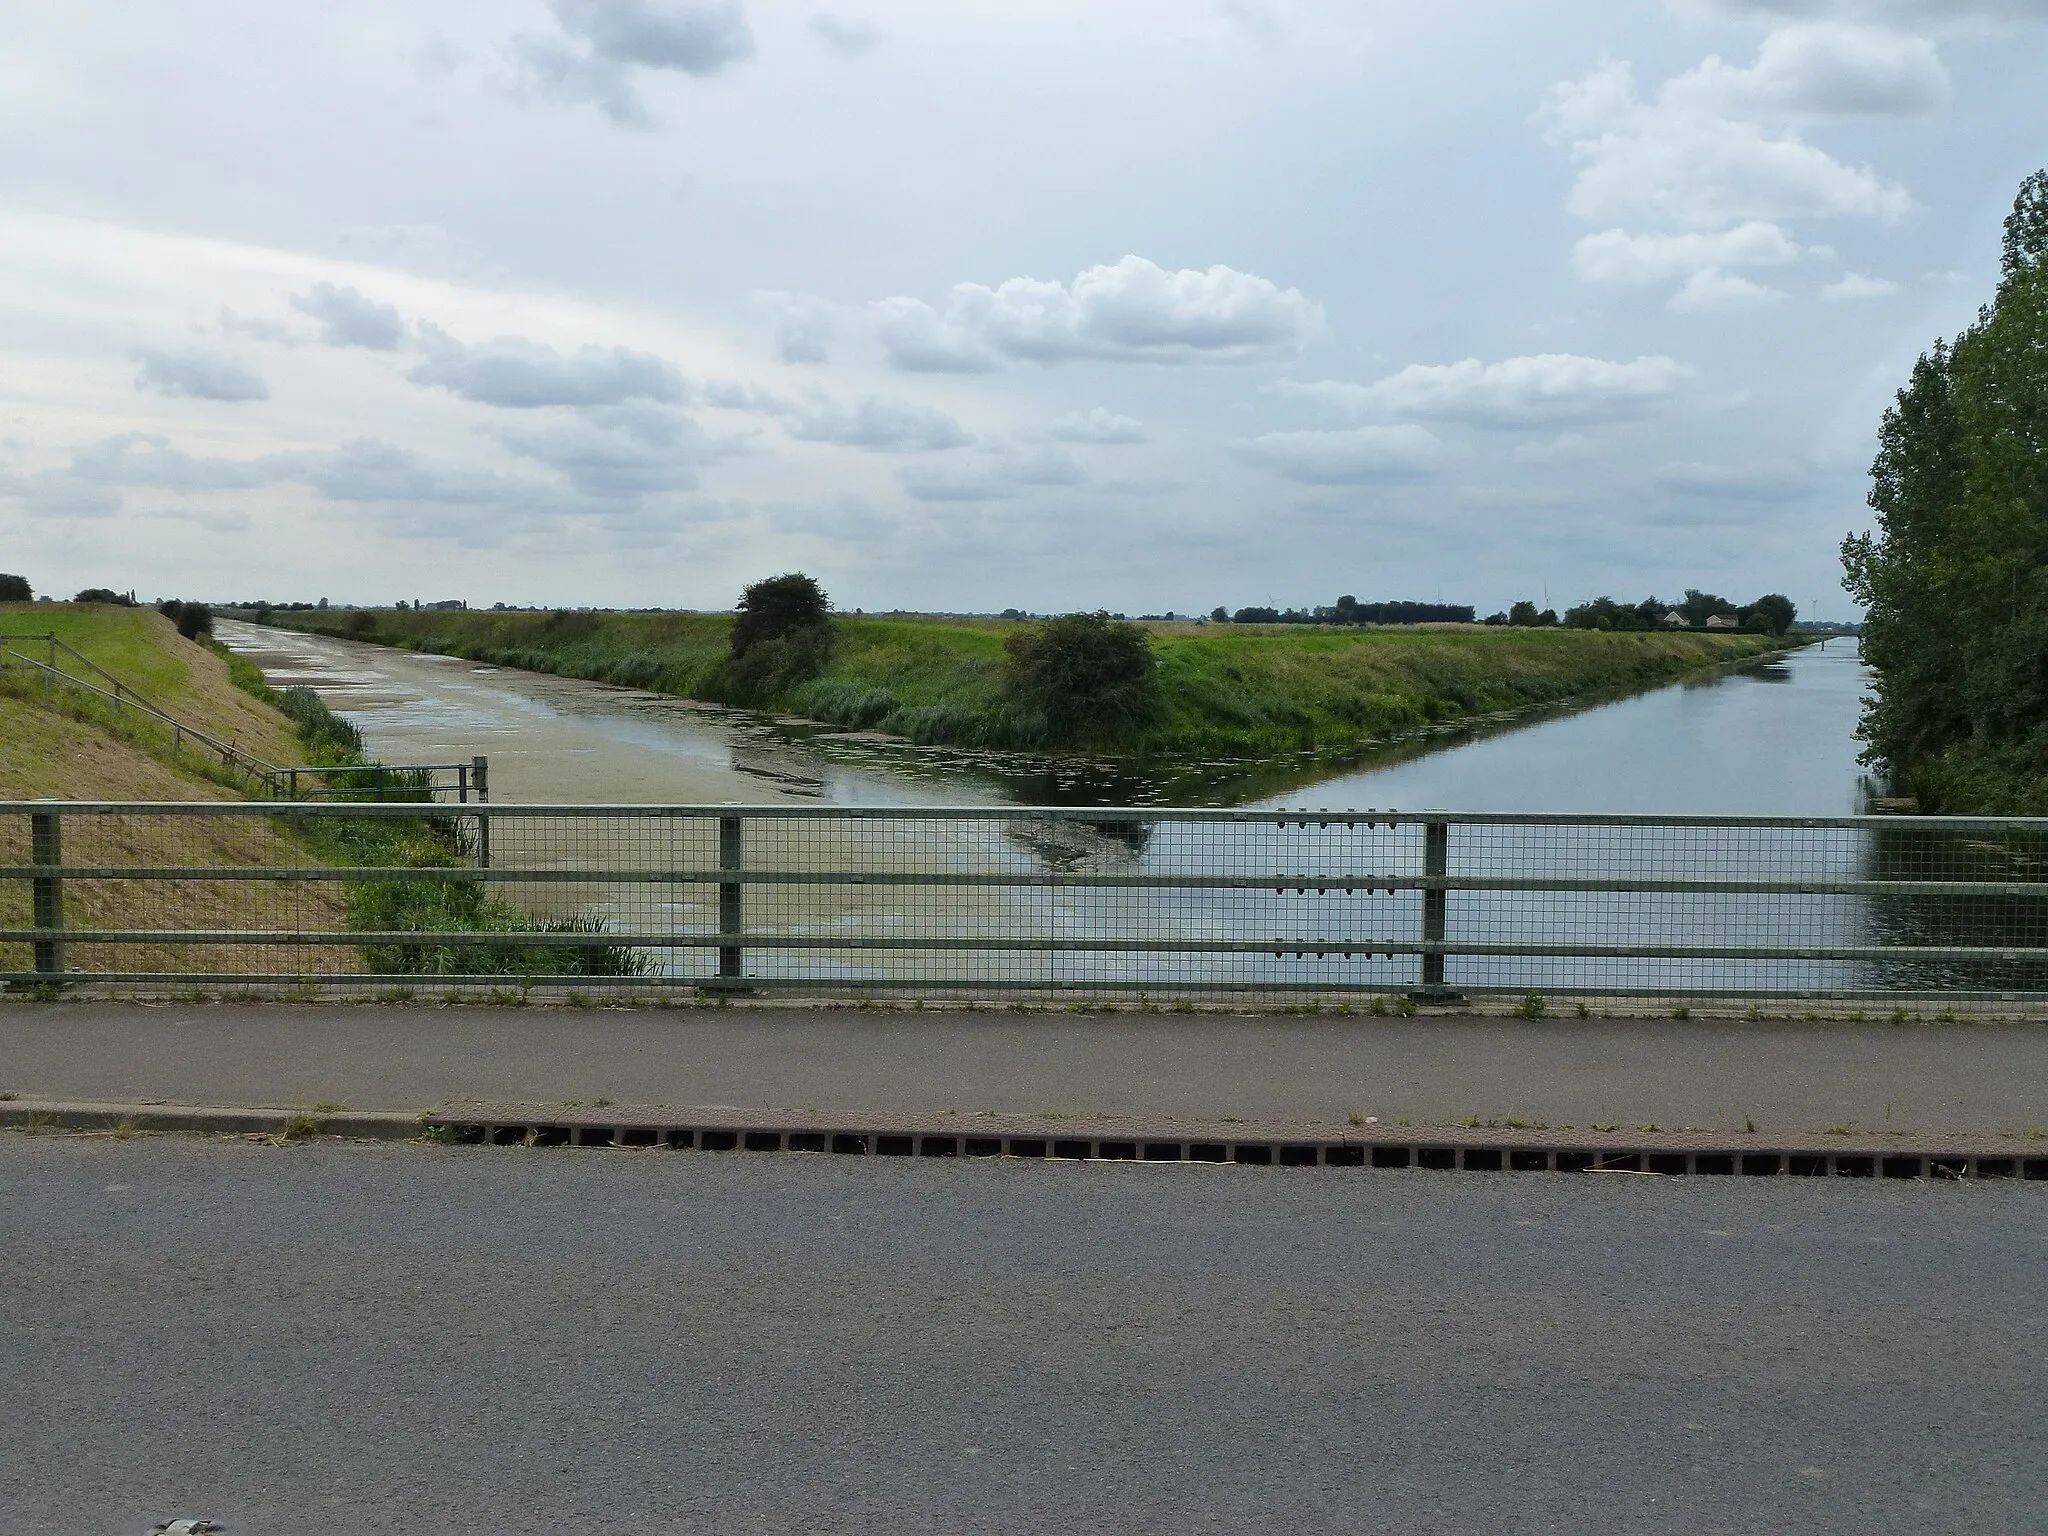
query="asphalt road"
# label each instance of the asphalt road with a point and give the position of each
(339, 1338)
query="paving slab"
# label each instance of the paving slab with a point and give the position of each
(1773, 1078)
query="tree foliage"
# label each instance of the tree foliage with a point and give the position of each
(1954, 577)
(1091, 679)
(778, 607)
(15, 589)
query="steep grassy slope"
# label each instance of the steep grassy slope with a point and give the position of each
(1244, 691)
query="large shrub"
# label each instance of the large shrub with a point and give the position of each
(15, 589)
(778, 607)
(1092, 680)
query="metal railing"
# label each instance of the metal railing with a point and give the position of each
(389, 781)
(940, 901)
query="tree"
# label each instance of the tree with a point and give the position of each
(1954, 579)
(1772, 614)
(15, 589)
(778, 607)
(196, 619)
(1091, 679)
(104, 595)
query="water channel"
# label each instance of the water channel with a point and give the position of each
(1774, 739)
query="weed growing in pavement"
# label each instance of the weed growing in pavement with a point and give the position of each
(1748, 1126)
(1900, 1016)
(1681, 1012)
(329, 1107)
(1841, 1130)
(297, 1128)
(1182, 1005)
(126, 1128)
(1345, 1009)
(1649, 1126)
(1379, 1007)
(577, 1000)
(1605, 1126)
(1946, 1016)
(1753, 1013)
(1581, 1011)
(397, 995)
(1355, 1118)
(1532, 1006)
(1404, 1006)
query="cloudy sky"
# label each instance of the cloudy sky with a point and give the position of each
(968, 305)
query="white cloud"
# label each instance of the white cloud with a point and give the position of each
(348, 319)
(847, 38)
(1553, 389)
(1132, 311)
(1908, 12)
(1682, 161)
(601, 43)
(1616, 256)
(1714, 289)
(201, 375)
(954, 482)
(1825, 68)
(1098, 425)
(876, 423)
(515, 372)
(1351, 456)
(1851, 286)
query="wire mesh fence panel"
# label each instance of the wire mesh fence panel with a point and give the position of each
(1159, 902)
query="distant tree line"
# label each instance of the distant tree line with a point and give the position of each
(1955, 577)
(1771, 614)
(1349, 610)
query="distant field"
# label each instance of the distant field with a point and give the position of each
(1231, 690)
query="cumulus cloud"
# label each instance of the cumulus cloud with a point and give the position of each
(876, 423)
(846, 38)
(1851, 286)
(200, 375)
(1132, 311)
(1350, 456)
(1682, 160)
(348, 319)
(1098, 425)
(1616, 256)
(521, 374)
(1548, 390)
(1821, 68)
(601, 44)
(1714, 289)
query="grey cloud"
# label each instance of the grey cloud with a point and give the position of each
(520, 374)
(619, 454)
(1099, 425)
(602, 42)
(803, 327)
(349, 319)
(948, 482)
(200, 375)
(847, 38)
(92, 483)
(1353, 456)
(877, 424)
(1736, 482)
(1132, 311)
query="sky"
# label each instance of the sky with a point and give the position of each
(965, 306)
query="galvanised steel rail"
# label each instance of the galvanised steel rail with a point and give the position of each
(947, 900)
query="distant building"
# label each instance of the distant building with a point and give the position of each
(450, 605)
(1723, 621)
(1675, 620)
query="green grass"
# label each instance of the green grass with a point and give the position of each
(1230, 691)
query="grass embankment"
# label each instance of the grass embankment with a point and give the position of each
(1229, 691)
(63, 743)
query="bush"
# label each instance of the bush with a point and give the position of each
(771, 669)
(320, 729)
(15, 589)
(105, 595)
(194, 620)
(778, 607)
(1091, 679)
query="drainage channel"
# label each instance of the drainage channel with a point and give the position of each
(1259, 1154)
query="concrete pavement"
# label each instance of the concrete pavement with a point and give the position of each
(1782, 1078)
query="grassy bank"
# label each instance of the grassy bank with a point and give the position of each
(1246, 691)
(64, 743)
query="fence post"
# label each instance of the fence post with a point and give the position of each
(480, 778)
(1436, 864)
(46, 847)
(732, 910)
